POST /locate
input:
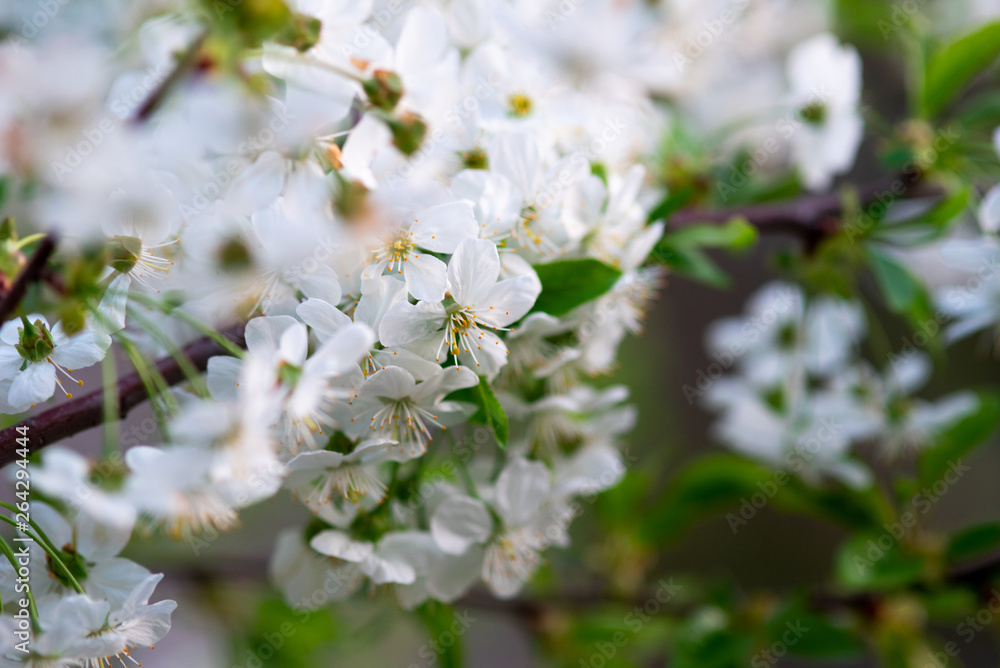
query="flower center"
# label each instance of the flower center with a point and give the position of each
(475, 158)
(527, 217)
(73, 561)
(519, 105)
(34, 341)
(397, 248)
(125, 253)
(289, 374)
(461, 333)
(405, 421)
(234, 256)
(350, 482)
(813, 113)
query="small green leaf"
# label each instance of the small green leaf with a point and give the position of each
(736, 234)
(446, 628)
(975, 541)
(806, 633)
(904, 293)
(682, 249)
(740, 488)
(956, 64)
(706, 639)
(949, 605)
(928, 226)
(489, 413)
(674, 200)
(294, 636)
(706, 486)
(875, 561)
(961, 438)
(692, 263)
(570, 283)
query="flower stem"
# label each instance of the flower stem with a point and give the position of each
(47, 546)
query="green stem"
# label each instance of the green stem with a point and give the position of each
(32, 608)
(112, 415)
(49, 550)
(189, 369)
(156, 387)
(30, 239)
(192, 321)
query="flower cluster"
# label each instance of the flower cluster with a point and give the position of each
(435, 222)
(801, 396)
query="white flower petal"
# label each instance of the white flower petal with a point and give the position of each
(459, 522)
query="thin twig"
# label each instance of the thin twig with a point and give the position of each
(187, 62)
(87, 411)
(808, 215)
(31, 273)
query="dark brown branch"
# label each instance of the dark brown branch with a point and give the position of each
(87, 411)
(977, 575)
(31, 273)
(810, 215)
(187, 62)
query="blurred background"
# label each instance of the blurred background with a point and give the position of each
(229, 608)
(228, 616)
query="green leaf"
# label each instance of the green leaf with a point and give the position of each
(849, 507)
(294, 636)
(973, 542)
(961, 438)
(682, 249)
(806, 633)
(736, 234)
(955, 65)
(729, 482)
(692, 263)
(674, 200)
(949, 605)
(875, 561)
(929, 226)
(570, 283)
(446, 629)
(868, 22)
(704, 487)
(489, 413)
(707, 640)
(982, 112)
(904, 293)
